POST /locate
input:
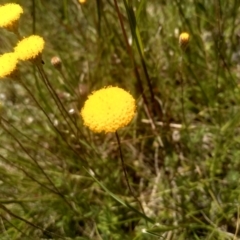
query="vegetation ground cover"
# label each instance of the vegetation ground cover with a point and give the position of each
(60, 180)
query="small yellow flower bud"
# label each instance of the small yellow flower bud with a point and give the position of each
(56, 62)
(184, 40)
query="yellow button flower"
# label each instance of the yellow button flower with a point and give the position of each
(9, 16)
(108, 109)
(184, 39)
(8, 65)
(30, 48)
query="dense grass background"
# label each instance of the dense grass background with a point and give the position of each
(58, 180)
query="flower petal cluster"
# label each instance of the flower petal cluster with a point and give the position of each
(8, 64)
(9, 15)
(108, 109)
(30, 48)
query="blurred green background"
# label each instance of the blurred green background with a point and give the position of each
(58, 180)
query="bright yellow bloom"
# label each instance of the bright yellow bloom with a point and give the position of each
(108, 109)
(9, 16)
(8, 65)
(184, 39)
(82, 1)
(30, 48)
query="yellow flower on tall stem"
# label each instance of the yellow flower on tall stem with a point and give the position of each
(108, 109)
(9, 16)
(8, 65)
(184, 40)
(30, 48)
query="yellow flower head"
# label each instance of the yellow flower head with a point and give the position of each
(184, 39)
(9, 15)
(108, 109)
(8, 65)
(30, 48)
(82, 1)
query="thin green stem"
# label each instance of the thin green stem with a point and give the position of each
(125, 172)
(27, 222)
